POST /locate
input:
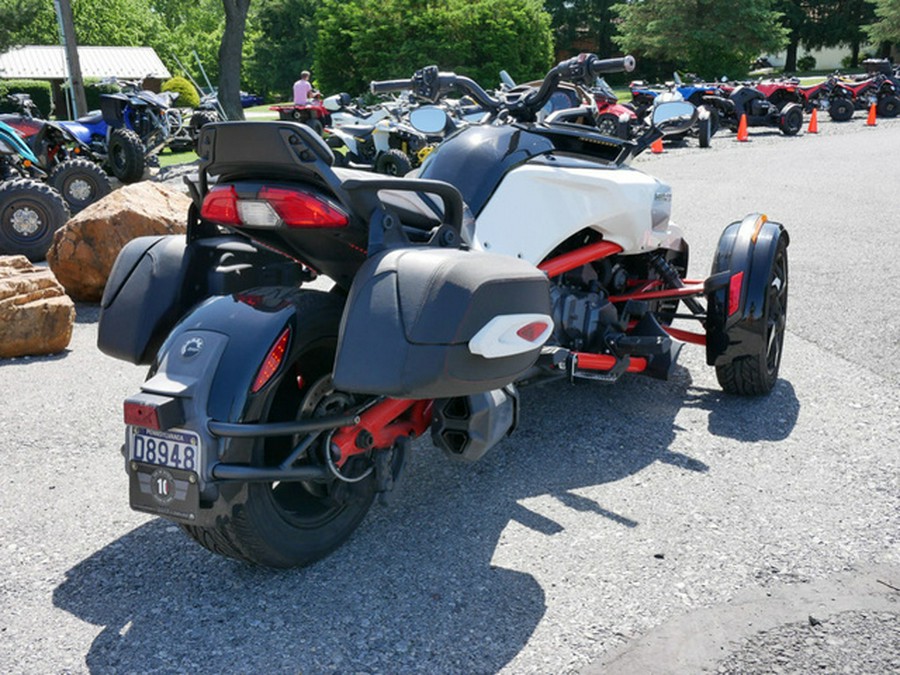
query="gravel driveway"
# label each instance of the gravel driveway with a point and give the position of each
(643, 527)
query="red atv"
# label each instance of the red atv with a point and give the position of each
(877, 86)
(832, 95)
(314, 114)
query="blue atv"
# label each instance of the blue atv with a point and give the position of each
(30, 210)
(130, 129)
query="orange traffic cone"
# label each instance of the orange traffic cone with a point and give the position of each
(813, 122)
(871, 121)
(742, 130)
(656, 147)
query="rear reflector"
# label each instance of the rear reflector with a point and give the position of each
(272, 361)
(153, 411)
(734, 292)
(511, 334)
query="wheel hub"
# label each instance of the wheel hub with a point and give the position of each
(25, 221)
(80, 189)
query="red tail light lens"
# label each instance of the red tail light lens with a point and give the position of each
(272, 362)
(301, 209)
(220, 206)
(293, 207)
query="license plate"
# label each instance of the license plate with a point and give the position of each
(174, 448)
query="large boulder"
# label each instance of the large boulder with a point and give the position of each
(36, 315)
(85, 248)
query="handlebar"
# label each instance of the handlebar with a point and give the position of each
(429, 84)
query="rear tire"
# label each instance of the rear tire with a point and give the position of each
(393, 163)
(30, 214)
(840, 109)
(704, 132)
(126, 155)
(756, 375)
(80, 182)
(294, 524)
(315, 125)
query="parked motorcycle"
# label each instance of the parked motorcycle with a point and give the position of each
(273, 414)
(644, 99)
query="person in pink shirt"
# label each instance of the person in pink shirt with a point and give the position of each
(303, 89)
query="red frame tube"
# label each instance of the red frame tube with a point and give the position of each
(686, 291)
(384, 424)
(575, 259)
(604, 362)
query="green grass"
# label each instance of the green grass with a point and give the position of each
(169, 158)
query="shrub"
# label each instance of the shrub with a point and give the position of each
(187, 93)
(39, 90)
(806, 62)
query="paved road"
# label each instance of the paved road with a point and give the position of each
(615, 528)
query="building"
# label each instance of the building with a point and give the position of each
(49, 63)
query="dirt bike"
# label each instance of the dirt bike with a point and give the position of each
(274, 414)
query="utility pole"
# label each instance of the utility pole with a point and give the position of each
(70, 44)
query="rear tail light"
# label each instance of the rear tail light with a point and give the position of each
(272, 362)
(269, 208)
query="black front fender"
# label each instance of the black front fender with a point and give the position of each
(736, 322)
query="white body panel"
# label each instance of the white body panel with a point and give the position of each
(537, 206)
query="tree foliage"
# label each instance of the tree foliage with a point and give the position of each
(283, 48)
(887, 24)
(582, 25)
(707, 37)
(363, 40)
(15, 16)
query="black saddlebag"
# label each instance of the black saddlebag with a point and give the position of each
(411, 313)
(156, 280)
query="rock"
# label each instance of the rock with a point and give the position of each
(85, 248)
(36, 315)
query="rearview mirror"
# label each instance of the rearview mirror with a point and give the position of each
(428, 119)
(673, 117)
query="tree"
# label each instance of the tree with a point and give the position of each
(362, 40)
(837, 22)
(190, 27)
(231, 57)
(15, 15)
(582, 25)
(707, 37)
(284, 48)
(887, 26)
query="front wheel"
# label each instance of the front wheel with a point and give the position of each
(30, 213)
(290, 524)
(80, 182)
(608, 125)
(791, 120)
(394, 163)
(840, 109)
(756, 374)
(888, 106)
(704, 132)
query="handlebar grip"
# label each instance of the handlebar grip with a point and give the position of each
(386, 86)
(624, 64)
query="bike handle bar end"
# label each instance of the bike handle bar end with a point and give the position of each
(624, 64)
(387, 86)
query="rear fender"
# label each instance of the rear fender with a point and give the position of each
(212, 357)
(735, 321)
